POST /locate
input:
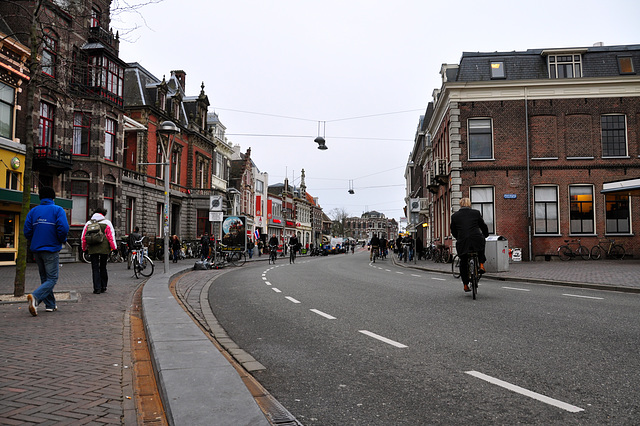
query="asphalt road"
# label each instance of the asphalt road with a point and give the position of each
(349, 342)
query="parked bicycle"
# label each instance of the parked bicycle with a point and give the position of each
(609, 248)
(142, 264)
(566, 252)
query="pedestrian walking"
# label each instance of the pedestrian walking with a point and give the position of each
(204, 242)
(250, 246)
(46, 227)
(175, 247)
(98, 241)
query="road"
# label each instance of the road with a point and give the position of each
(345, 341)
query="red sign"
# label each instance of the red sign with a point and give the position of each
(269, 205)
(258, 205)
(277, 221)
(289, 223)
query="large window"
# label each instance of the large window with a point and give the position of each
(81, 133)
(581, 218)
(79, 197)
(46, 124)
(175, 166)
(95, 17)
(482, 200)
(614, 135)
(546, 210)
(109, 139)
(159, 161)
(7, 96)
(565, 66)
(13, 180)
(109, 193)
(480, 139)
(618, 218)
(107, 77)
(49, 53)
(202, 222)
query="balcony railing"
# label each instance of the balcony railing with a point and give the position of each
(54, 158)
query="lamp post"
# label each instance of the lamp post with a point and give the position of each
(169, 129)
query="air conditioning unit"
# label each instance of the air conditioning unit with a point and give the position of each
(424, 205)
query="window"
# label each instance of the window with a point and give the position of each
(109, 139)
(175, 164)
(546, 210)
(159, 161)
(497, 69)
(482, 200)
(625, 64)
(95, 17)
(202, 222)
(46, 124)
(618, 217)
(81, 133)
(581, 210)
(106, 77)
(565, 66)
(159, 219)
(130, 214)
(79, 197)
(614, 136)
(259, 186)
(49, 53)
(480, 139)
(12, 180)
(109, 192)
(201, 173)
(7, 96)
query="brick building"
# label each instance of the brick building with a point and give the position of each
(531, 137)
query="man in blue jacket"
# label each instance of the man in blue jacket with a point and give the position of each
(46, 227)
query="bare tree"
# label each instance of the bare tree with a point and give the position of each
(338, 215)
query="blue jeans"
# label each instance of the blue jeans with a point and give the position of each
(250, 251)
(48, 267)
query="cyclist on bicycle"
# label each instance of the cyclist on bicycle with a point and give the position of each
(470, 231)
(293, 246)
(375, 246)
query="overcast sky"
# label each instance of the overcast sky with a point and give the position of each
(364, 69)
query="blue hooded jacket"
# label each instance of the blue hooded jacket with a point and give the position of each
(46, 226)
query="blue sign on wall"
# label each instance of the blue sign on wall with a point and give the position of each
(510, 196)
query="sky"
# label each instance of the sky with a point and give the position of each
(360, 73)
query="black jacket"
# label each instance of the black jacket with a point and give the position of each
(469, 229)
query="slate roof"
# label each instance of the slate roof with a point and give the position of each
(597, 61)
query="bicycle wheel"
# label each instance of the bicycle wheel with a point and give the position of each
(617, 252)
(565, 253)
(446, 256)
(596, 252)
(136, 267)
(146, 269)
(455, 266)
(473, 277)
(583, 252)
(241, 258)
(85, 257)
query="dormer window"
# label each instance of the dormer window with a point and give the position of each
(95, 17)
(625, 64)
(163, 101)
(565, 66)
(497, 70)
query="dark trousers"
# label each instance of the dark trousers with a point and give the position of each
(464, 265)
(99, 271)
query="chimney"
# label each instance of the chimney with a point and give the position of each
(182, 78)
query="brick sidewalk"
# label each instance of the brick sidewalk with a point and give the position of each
(67, 366)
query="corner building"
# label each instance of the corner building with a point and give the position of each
(531, 137)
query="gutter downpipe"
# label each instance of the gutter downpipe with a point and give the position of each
(526, 118)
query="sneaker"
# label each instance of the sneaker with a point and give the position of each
(466, 287)
(55, 308)
(32, 305)
(481, 270)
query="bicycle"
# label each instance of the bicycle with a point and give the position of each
(611, 249)
(292, 254)
(455, 266)
(474, 273)
(142, 264)
(375, 253)
(565, 252)
(235, 258)
(273, 254)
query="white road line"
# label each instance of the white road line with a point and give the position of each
(399, 272)
(516, 288)
(416, 275)
(276, 290)
(322, 314)
(388, 270)
(264, 278)
(292, 299)
(438, 279)
(526, 392)
(584, 297)
(267, 283)
(383, 339)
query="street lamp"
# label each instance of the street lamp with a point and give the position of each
(169, 130)
(233, 192)
(320, 139)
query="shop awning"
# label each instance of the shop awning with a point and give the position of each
(13, 196)
(622, 187)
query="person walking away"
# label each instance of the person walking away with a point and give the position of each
(204, 242)
(46, 228)
(250, 246)
(470, 231)
(175, 248)
(375, 245)
(133, 243)
(99, 248)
